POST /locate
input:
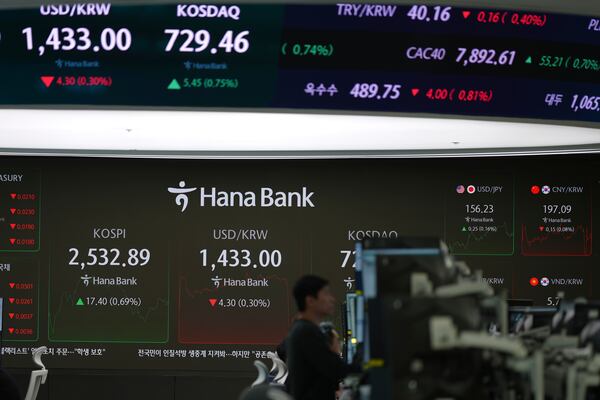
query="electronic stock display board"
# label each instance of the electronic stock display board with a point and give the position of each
(349, 57)
(189, 264)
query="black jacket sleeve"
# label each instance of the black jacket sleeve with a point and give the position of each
(322, 359)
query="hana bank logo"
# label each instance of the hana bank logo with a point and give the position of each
(263, 197)
(182, 198)
(86, 280)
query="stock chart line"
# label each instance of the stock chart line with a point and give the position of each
(74, 298)
(472, 237)
(547, 239)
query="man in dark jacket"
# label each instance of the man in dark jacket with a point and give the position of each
(315, 368)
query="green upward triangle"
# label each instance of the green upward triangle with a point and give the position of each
(174, 85)
(528, 61)
(464, 228)
(79, 302)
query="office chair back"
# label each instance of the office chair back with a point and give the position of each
(263, 373)
(38, 377)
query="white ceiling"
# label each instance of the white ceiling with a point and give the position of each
(199, 133)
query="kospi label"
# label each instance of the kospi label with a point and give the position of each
(109, 233)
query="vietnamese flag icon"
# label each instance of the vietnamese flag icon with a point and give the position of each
(12, 240)
(466, 14)
(11, 300)
(12, 226)
(11, 330)
(13, 195)
(533, 281)
(13, 210)
(47, 80)
(212, 302)
(11, 315)
(12, 285)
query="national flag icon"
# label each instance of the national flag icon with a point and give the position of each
(535, 189)
(545, 281)
(470, 189)
(545, 189)
(533, 281)
(460, 189)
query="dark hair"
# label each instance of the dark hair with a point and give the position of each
(308, 285)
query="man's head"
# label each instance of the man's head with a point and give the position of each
(312, 294)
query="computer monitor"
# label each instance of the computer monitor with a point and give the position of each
(385, 264)
(384, 268)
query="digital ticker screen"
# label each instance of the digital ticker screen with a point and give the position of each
(189, 264)
(353, 57)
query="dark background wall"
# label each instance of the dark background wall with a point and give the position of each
(413, 197)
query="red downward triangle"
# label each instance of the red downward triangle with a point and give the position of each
(12, 211)
(11, 315)
(47, 80)
(12, 240)
(13, 195)
(11, 330)
(415, 91)
(12, 285)
(466, 14)
(12, 226)
(11, 299)
(212, 302)
(541, 228)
